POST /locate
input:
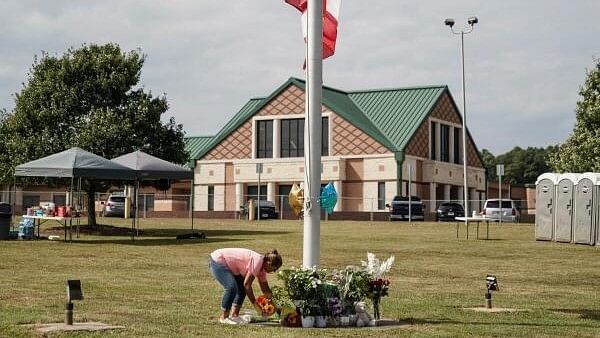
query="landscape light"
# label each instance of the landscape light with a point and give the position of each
(73, 293)
(492, 285)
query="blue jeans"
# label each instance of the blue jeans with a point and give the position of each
(233, 284)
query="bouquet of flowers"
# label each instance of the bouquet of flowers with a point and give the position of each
(353, 284)
(266, 305)
(335, 306)
(378, 285)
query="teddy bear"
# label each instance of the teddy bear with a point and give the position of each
(362, 316)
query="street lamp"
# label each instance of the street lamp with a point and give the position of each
(471, 21)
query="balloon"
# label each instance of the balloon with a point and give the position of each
(296, 199)
(328, 198)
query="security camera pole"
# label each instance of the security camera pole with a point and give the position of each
(450, 22)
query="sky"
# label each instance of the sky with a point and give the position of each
(525, 60)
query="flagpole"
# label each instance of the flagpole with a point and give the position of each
(312, 132)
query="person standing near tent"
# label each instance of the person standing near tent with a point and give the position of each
(235, 269)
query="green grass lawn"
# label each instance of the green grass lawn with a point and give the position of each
(158, 286)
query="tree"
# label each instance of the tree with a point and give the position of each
(86, 98)
(581, 151)
(521, 166)
(489, 163)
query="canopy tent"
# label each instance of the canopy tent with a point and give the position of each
(75, 162)
(148, 167)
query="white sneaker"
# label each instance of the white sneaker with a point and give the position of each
(239, 320)
(227, 321)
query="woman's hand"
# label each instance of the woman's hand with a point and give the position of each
(258, 309)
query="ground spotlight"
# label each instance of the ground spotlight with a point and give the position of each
(492, 285)
(73, 293)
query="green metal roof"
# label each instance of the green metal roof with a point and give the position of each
(194, 145)
(390, 116)
(397, 113)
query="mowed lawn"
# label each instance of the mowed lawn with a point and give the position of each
(158, 286)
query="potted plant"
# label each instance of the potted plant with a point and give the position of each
(305, 287)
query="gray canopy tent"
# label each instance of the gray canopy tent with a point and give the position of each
(148, 167)
(75, 163)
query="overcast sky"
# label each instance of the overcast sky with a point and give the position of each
(525, 60)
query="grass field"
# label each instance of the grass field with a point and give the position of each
(158, 286)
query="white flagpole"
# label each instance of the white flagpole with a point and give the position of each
(312, 132)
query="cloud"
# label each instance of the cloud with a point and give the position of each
(524, 65)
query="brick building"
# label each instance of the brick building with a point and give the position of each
(370, 138)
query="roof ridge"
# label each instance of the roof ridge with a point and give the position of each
(324, 86)
(396, 89)
(199, 136)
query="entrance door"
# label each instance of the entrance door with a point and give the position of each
(544, 210)
(563, 228)
(283, 199)
(582, 232)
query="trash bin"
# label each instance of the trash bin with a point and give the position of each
(5, 217)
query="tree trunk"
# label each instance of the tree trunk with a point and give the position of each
(91, 194)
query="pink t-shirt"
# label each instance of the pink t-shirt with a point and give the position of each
(241, 262)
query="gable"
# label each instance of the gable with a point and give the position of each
(445, 110)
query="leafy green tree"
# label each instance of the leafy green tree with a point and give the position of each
(87, 98)
(521, 166)
(489, 163)
(581, 151)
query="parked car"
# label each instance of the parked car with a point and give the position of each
(448, 210)
(399, 208)
(114, 206)
(267, 209)
(492, 210)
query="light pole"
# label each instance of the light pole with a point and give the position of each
(450, 22)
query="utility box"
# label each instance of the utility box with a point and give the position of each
(585, 223)
(545, 187)
(565, 207)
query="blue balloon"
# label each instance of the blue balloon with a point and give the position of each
(328, 198)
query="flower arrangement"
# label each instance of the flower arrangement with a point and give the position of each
(335, 306)
(266, 305)
(302, 283)
(378, 285)
(316, 292)
(353, 286)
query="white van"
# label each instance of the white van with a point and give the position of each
(508, 212)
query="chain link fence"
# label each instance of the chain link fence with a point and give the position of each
(165, 205)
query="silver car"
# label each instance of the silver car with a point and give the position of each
(508, 212)
(114, 206)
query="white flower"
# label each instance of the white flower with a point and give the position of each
(375, 268)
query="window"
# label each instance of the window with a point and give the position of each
(325, 137)
(211, 197)
(380, 195)
(292, 137)
(444, 143)
(264, 138)
(59, 199)
(432, 142)
(457, 145)
(252, 192)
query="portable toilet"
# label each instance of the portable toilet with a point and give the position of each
(545, 187)
(586, 208)
(565, 205)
